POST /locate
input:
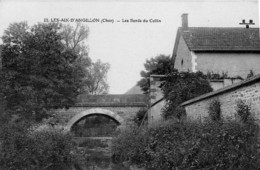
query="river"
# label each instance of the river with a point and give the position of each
(95, 154)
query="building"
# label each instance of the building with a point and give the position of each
(230, 51)
(234, 51)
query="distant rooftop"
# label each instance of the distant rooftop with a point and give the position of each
(135, 90)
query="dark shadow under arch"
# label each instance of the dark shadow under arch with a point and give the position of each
(96, 111)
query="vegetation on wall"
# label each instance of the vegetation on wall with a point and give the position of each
(215, 110)
(251, 74)
(141, 117)
(243, 111)
(180, 87)
(224, 75)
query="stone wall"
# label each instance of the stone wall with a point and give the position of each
(156, 99)
(247, 90)
(220, 83)
(114, 99)
(122, 106)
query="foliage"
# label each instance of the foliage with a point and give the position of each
(129, 145)
(215, 110)
(212, 75)
(190, 145)
(74, 38)
(250, 74)
(224, 75)
(97, 78)
(180, 87)
(141, 116)
(160, 65)
(243, 111)
(25, 148)
(38, 72)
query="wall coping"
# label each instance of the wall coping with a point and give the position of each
(223, 90)
(137, 104)
(158, 75)
(158, 101)
(110, 99)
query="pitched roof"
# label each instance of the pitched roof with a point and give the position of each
(221, 39)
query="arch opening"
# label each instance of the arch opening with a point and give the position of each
(97, 112)
(95, 125)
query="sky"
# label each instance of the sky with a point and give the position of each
(127, 45)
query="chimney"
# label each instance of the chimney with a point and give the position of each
(185, 21)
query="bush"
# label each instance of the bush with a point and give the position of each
(25, 148)
(243, 111)
(215, 110)
(180, 87)
(190, 145)
(129, 145)
(141, 117)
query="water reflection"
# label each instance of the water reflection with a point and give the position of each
(96, 154)
(93, 135)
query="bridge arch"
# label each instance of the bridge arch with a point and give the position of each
(95, 111)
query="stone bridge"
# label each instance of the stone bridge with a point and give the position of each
(118, 107)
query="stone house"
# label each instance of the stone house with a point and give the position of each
(234, 51)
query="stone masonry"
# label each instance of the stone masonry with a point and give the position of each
(118, 107)
(247, 91)
(156, 99)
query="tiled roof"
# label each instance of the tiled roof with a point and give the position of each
(221, 39)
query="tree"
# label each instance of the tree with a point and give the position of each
(74, 39)
(39, 73)
(141, 116)
(97, 78)
(180, 87)
(160, 65)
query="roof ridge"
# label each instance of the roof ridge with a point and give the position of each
(223, 28)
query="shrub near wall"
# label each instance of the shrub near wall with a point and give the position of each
(191, 145)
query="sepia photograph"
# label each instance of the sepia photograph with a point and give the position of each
(129, 85)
